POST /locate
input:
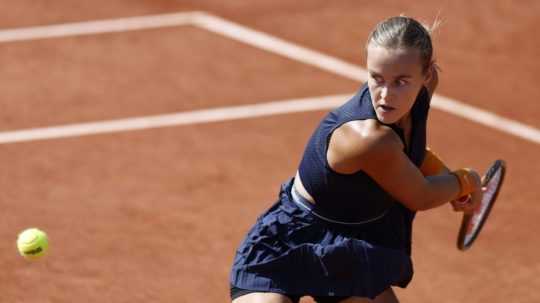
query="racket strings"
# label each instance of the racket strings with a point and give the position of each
(491, 189)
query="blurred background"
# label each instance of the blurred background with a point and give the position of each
(155, 214)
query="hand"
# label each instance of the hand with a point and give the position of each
(470, 202)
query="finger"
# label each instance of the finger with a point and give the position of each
(463, 200)
(458, 206)
(476, 199)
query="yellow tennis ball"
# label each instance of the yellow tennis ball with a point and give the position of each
(32, 243)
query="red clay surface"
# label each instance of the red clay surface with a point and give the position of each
(143, 73)
(155, 215)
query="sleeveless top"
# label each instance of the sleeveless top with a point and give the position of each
(355, 197)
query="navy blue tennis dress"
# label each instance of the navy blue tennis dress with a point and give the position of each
(354, 241)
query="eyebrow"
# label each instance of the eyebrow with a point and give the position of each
(398, 77)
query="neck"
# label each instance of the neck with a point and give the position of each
(404, 122)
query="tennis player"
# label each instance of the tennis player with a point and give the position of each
(341, 228)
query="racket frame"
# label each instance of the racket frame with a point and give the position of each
(462, 244)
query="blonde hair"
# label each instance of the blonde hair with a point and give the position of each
(405, 32)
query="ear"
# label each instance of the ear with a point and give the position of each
(431, 78)
(428, 73)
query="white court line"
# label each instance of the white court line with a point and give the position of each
(182, 118)
(281, 47)
(486, 118)
(253, 38)
(354, 72)
(98, 27)
(244, 112)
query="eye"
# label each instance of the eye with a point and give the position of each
(401, 82)
(377, 79)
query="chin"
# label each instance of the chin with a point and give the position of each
(387, 119)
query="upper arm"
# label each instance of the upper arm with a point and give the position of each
(390, 167)
(378, 151)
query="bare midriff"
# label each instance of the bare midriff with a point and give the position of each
(300, 189)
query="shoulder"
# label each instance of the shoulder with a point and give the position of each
(356, 143)
(365, 135)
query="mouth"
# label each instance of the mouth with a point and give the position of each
(386, 108)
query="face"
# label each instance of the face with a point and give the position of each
(395, 79)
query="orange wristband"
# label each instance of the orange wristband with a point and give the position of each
(432, 165)
(465, 182)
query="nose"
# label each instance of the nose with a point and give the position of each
(384, 92)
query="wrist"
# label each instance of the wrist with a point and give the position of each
(465, 180)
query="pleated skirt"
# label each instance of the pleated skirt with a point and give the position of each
(291, 250)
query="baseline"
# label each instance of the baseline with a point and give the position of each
(252, 111)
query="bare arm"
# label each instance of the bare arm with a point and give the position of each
(433, 165)
(377, 150)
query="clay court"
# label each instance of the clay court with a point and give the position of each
(146, 149)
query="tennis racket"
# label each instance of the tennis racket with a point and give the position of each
(472, 223)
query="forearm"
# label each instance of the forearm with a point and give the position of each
(440, 189)
(433, 165)
(397, 175)
(439, 179)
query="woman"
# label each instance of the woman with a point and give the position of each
(341, 229)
